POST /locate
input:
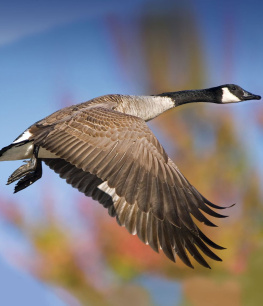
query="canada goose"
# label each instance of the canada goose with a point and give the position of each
(104, 148)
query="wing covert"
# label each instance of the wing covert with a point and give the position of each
(152, 197)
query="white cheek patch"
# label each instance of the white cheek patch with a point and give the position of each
(228, 97)
(25, 136)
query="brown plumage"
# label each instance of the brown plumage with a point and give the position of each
(105, 149)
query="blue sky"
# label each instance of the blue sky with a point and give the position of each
(19, 288)
(56, 51)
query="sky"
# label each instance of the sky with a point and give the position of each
(57, 51)
(25, 288)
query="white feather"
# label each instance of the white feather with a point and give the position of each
(110, 191)
(145, 107)
(25, 136)
(228, 97)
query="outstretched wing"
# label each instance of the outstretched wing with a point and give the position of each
(117, 160)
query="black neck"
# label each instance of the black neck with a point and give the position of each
(190, 96)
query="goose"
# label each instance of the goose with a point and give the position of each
(104, 148)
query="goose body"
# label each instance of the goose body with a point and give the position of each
(104, 148)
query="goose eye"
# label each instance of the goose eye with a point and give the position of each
(234, 88)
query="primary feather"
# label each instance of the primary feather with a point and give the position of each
(105, 149)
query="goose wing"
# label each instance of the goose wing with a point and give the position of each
(117, 160)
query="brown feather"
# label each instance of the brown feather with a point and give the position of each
(116, 159)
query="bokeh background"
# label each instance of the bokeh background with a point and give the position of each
(58, 247)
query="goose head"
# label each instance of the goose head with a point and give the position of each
(231, 93)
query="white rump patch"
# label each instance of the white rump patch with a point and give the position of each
(110, 191)
(25, 136)
(228, 97)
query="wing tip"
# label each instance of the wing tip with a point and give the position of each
(217, 206)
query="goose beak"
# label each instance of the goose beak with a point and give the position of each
(249, 96)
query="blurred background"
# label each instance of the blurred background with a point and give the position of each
(58, 247)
